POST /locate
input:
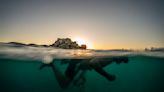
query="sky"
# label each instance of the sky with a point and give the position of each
(101, 24)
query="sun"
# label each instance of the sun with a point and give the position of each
(81, 41)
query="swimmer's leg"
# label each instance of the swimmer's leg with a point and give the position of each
(104, 73)
(71, 72)
(80, 80)
(61, 79)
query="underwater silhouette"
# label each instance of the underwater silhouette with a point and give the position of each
(75, 65)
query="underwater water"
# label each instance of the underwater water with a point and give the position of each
(143, 73)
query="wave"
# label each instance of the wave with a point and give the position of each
(47, 54)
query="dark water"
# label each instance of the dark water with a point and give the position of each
(141, 74)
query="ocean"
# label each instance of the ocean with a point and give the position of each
(20, 70)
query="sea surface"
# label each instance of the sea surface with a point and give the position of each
(20, 70)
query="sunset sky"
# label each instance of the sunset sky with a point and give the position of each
(101, 24)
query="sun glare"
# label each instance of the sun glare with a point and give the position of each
(81, 41)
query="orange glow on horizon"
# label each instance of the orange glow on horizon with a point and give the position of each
(90, 44)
